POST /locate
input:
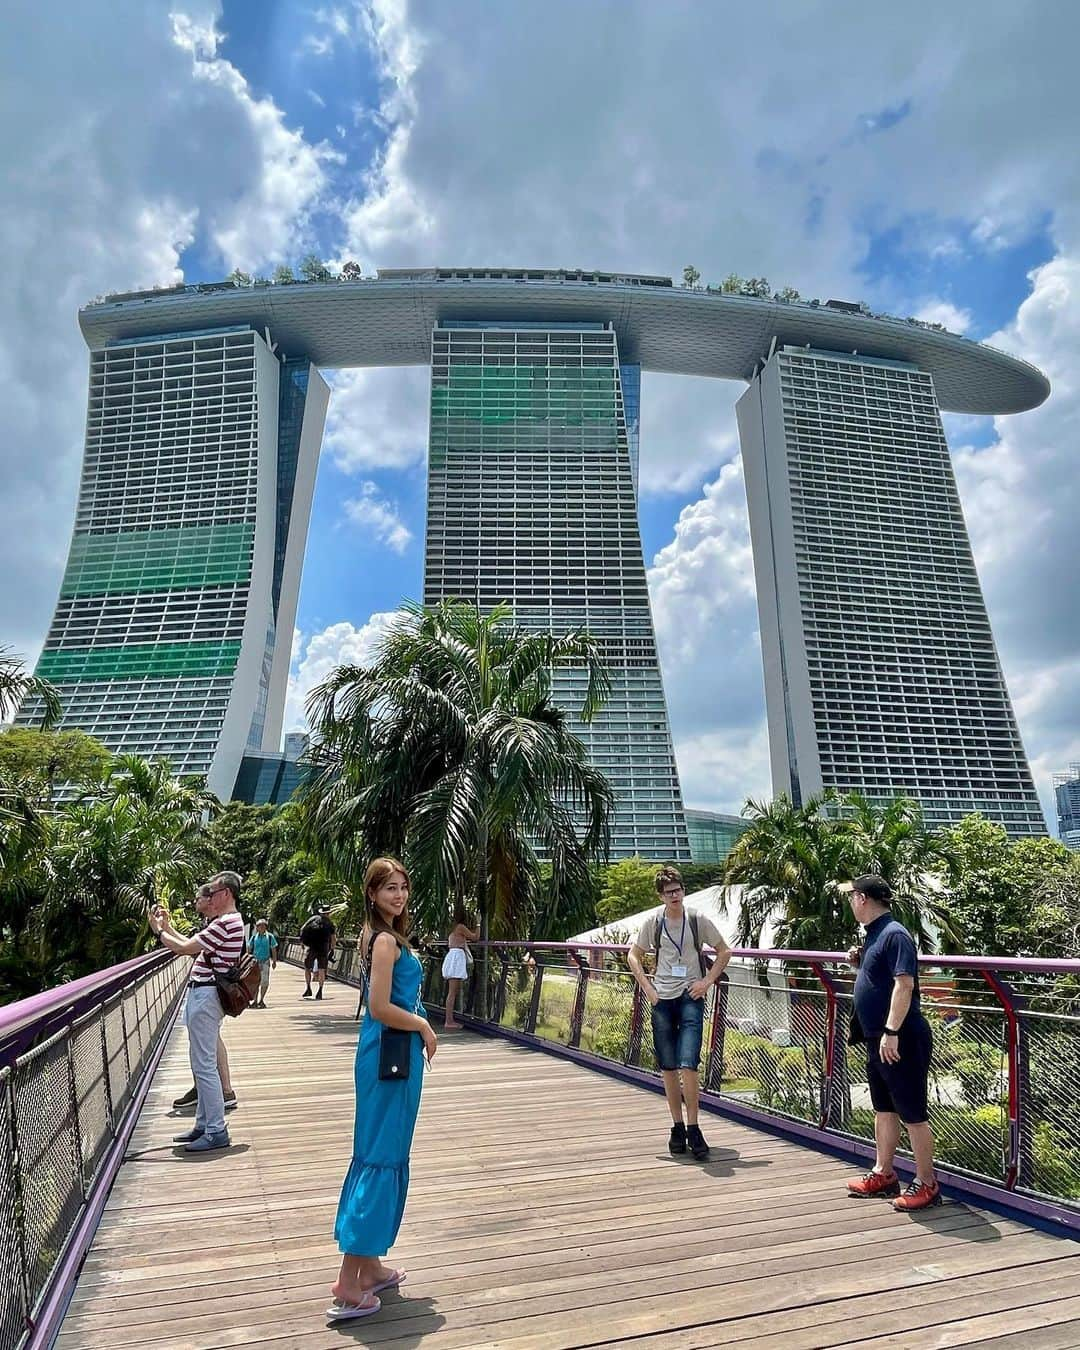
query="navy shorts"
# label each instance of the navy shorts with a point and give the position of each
(901, 1088)
(676, 1031)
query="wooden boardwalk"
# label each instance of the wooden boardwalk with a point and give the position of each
(544, 1213)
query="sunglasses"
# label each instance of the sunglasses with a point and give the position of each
(205, 892)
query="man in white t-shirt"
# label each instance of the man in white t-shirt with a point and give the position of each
(675, 936)
(215, 948)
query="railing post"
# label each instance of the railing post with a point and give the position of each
(581, 993)
(534, 1002)
(832, 1092)
(76, 1132)
(714, 1060)
(637, 1027)
(105, 1071)
(1018, 1157)
(500, 992)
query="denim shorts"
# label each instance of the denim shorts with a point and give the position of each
(676, 1031)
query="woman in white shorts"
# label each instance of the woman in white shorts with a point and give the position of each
(455, 966)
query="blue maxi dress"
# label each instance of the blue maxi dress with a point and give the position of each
(373, 1195)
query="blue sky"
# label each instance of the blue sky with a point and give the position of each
(921, 158)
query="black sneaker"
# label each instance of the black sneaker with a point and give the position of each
(318, 996)
(677, 1139)
(190, 1097)
(306, 993)
(698, 1147)
(230, 1101)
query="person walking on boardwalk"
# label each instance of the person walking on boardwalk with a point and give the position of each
(887, 1017)
(215, 948)
(675, 936)
(388, 1073)
(318, 935)
(190, 1098)
(263, 946)
(455, 966)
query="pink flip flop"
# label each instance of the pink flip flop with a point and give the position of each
(347, 1312)
(392, 1281)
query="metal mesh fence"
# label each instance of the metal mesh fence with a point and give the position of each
(119, 1074)
(91, 1099)
(61, 1103)
(12, 1289)
(52, 1190)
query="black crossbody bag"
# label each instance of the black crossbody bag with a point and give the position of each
(395, 1044)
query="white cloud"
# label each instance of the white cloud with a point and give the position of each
(379, 517)
(315, 657)
(378, 419)
(114, 172)
(702, 590)
(950, 316)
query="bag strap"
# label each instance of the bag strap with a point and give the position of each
(692, 916)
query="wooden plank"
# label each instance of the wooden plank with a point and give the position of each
(544, 1214)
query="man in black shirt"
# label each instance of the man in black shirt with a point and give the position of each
(897, 1037)
(318, 936)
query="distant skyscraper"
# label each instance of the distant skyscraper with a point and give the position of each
(532, 501)
(881, 674)
(173, 630)
(1067, 793)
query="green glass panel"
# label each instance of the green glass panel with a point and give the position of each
(158, 560)
(497, 394)
(161, 659)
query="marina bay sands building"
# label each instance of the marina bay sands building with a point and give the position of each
(173, 630)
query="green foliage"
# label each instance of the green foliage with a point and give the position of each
(691, 277)
(449, 751)
(1012, 898)
(75, 883)
(16, 684)
(732, 284)
(42, 758)
(350, 271)
(283, 275)
(312, 268)
(626, 887)
(239, 278)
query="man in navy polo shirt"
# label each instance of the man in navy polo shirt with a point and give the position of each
(897, 1037)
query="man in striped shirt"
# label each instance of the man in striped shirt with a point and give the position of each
(215, 949)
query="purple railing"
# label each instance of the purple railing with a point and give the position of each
(75, 1063)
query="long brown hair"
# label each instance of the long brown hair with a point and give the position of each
(378, 874)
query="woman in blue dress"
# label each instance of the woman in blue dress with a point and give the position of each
(373, 1196)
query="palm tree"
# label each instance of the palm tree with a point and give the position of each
(891, 839)
(791, 861)
(16, 685)
(449, 751)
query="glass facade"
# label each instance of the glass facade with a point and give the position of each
(712, 834)
(532, 501)
(164, 632)
(1067, 798)
(881, 672)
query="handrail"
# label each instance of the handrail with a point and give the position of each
(75, 1065)
(40, 1011)
(1015, 964)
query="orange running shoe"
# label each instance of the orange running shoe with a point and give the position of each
(918, 1196)
(875, 1183)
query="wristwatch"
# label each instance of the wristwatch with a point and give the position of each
(889, 1032)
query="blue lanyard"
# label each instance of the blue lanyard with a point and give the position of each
(682, 936)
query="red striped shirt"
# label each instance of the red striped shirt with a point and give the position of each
(222, 942)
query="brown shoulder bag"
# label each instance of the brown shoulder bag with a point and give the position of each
(238, 985)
